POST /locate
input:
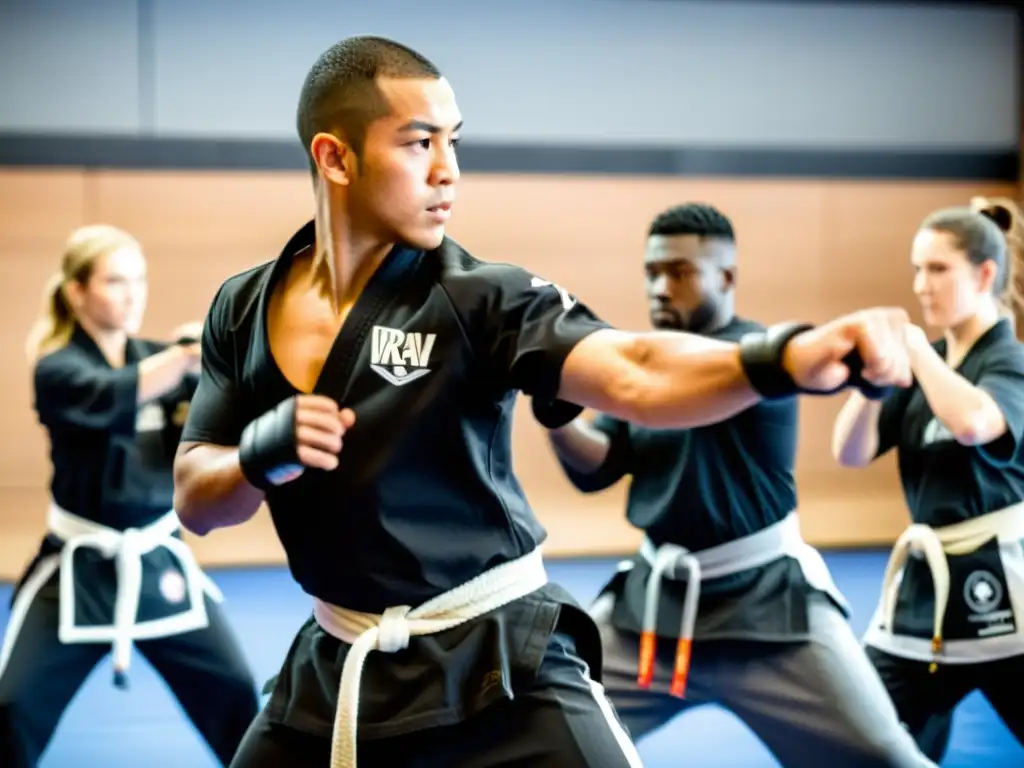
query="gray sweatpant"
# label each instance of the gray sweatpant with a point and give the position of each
(813, 704)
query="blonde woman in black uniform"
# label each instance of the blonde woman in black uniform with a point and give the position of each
(112, 571)
(951, 616)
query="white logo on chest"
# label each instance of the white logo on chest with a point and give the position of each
(567, 300)
(150, 418)
(936, 432)
(399, 357)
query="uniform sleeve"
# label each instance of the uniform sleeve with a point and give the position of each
(890, 420)
(73, 391)
(532, 327)
(215, 415)
(1005, 384)
(617, 464)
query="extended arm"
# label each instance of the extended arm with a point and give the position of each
(658, 379)
(68, 390)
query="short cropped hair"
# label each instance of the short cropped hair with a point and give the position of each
(693, 219)
(340, 94)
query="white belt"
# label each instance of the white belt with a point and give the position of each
(390, 632)
(128, 547)
(935, 543)
(672, 561)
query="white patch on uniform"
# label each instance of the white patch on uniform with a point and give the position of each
(173, 586)
(982, 592)
(150, 418)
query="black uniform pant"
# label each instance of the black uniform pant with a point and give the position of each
(204, 669)
(563, 721)
(925, 701)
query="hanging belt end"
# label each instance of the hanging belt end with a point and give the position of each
(681, 671)
(936, 652)
(647, 647)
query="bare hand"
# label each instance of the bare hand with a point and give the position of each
(320, 427)
(193, 330)
(814, 358)
(193, 352)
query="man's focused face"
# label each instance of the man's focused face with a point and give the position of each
(408, 169)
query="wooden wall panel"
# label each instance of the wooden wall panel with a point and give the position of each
(809, 249)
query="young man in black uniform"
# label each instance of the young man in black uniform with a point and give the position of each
(415, 539)
(951, 615)
(768, 623)
(113, 572)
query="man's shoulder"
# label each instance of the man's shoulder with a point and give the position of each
(459, 266)
(471, 281)
(239, 294)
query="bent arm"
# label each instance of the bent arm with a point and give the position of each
(855, 433)
(70, 391)
(969, 412)
(580, 446)
(594, 454)
(210, 491)
(658, 379)
(162, 372)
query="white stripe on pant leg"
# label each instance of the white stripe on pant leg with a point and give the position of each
(44, 569)
(618, 731)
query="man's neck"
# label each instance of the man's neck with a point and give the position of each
(345, 260)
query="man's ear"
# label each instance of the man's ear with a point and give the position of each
(334, 158)
(729, 278)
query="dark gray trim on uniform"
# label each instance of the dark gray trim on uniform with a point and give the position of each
(139, 152)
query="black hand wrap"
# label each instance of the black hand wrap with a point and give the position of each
(761, 357)
(186, 341)
(553, 414)
(268, 451)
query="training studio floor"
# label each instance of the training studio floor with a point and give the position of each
(142, 727)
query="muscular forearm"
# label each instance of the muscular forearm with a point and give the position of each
(210, 491)
(162, 372)
(579, 446)
(970, 413)
(665, 380)
(855, 434)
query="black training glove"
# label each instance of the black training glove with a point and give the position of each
(268, 449)
(761, 356)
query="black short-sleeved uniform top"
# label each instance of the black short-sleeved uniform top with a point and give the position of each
(430, 359)
(945, 482)
(702, 487)
(113, 463)
(112, 458)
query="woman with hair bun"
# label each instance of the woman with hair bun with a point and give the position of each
(951, 615)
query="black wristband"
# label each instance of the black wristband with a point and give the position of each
(553, 414)
(186, 341)
(761, 357)
(268, 451)
(856, 379)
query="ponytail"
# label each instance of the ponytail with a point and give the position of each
(1008, 217)
(56, 322)
(53, 328)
